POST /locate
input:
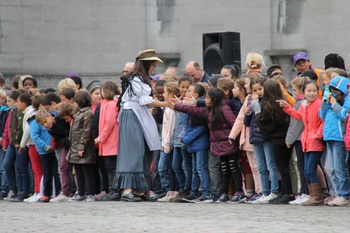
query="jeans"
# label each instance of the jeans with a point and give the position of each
(23, 165)
(311, 160)
(156, 186)
(338, 157)
(182, 166)
(266, 165)
(167, 175)
(111, 167)
(50, 168)
(10, 167)
(325, 163)
(200, 165)
(300, 160)
(3, 180)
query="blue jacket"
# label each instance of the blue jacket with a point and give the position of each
(334, 115)
(196, 137)
(236, 105)
(256, 135)
(40, 136)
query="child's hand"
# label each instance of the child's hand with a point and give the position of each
(255, 97)
(170, 103)
(97, 141)
(162, 148)
(247, 110)
(154, 111)
(288, 145)
(332, 100)
(230, 140)
(20, 150)
(17, 145)
(190, 101)
(48, 148)
(4, 148)
(282, 103)
(80, 153)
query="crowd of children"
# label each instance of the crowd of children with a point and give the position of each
(232, 139)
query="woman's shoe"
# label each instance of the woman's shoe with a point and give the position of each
(130, 197)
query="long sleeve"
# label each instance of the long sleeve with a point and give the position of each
(110, 119)
(87, 131)
(239, 123)
(192, 110)
(168, 129)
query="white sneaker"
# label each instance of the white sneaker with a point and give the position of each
(9, 196)
(260, 200)
(271, 197)
(60, 198)
(90, 198)
(34, 196)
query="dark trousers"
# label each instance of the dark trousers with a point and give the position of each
(111, 167)
(282, 156)
(300, 158)
(230, 168)
(101, 175)
(85, 178)
(50, 169)
(156, 186)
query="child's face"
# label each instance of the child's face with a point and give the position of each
(10, 102)
(21, 106)
(184, 85)
(227, 73)
(296, 91)
(66, 100)
(327, 81)
(2, 100)
(67, 118)
(258, 89)
(48, 122)
(247, 85)
(190, 92)
(166, 94)
(237, 92)
(96, 96)
(310, 92)
(208, 101)
(28, 83)
(160, 93)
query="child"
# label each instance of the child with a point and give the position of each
(182, 161)
(52, 103)
(311, 139)
(107, 139)
(28, 144)
(293, 137)
(271, 120)
(67, 95)
(263, 146)
(8, 146)
(43, 145)
(58, 128)
(4, 112)
(240, 91)
(195, 136)
(82, 151)
(334, 113)
(29, 83)
(171, 90)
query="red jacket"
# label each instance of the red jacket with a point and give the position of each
(311, 137)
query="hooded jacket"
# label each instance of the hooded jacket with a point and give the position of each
(334, 115)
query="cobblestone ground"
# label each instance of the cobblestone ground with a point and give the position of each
(170, 217)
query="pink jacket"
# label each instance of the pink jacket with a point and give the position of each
(311, 138)
(239, 128)
(108, 128)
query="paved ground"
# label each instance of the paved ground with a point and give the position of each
(170, 217)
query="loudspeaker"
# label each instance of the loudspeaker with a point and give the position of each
(219, 49)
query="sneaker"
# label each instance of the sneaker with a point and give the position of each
(156, 196)
(90, 198)
(273, 197)
(44, 199)
(340, 201)
(328, 200)
(285, 199)
(190, 197)
(176, 197)
(77, 198)
(261, 200)
(300, 199)
(255, 197)
(60, 198)
(100, 196)
(34, 196)
(2, 195)
(238, 198)
(167, 198)
(203, 199)
(9, 196)
(223, 198)
(19, 198)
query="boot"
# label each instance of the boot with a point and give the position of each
(316, 195)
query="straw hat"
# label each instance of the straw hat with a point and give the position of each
(148, 55)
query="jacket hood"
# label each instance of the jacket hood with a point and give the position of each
(340, 83)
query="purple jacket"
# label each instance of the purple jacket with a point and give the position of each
(219, 144)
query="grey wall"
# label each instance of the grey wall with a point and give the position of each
(95, 38)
